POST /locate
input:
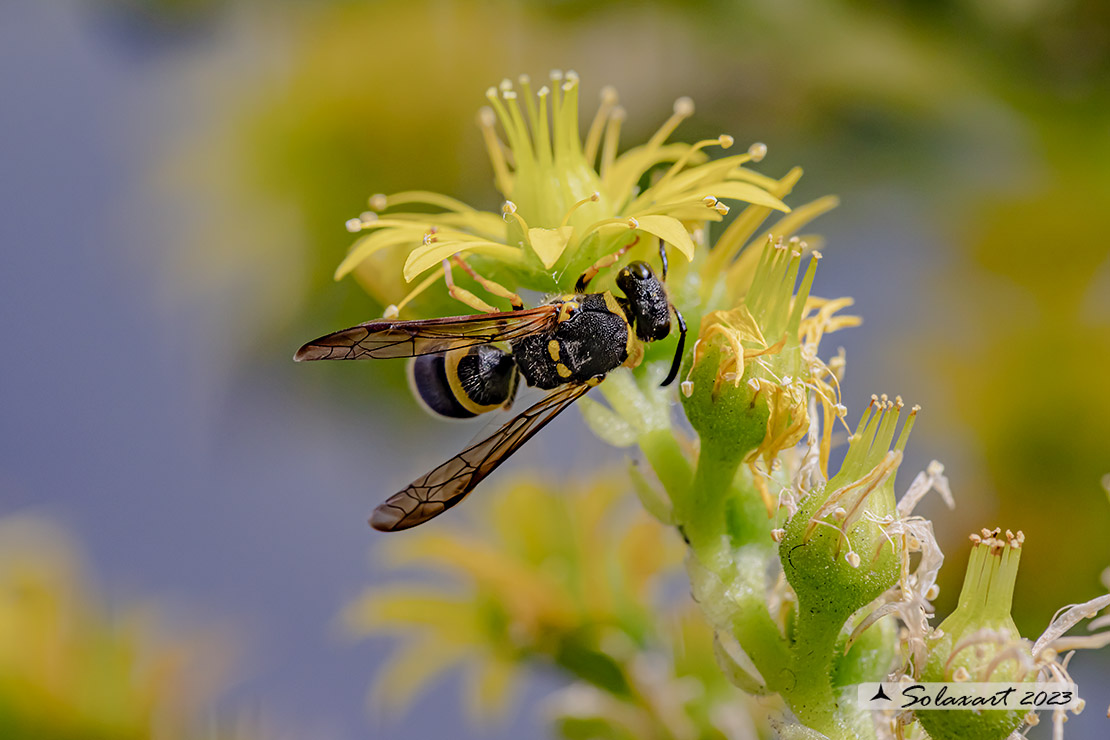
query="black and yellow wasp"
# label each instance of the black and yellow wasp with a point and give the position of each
(565, 346)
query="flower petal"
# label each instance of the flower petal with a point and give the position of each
(375, 242)
(669, 230)
(548, 244)
(429, 255)
(748, 193)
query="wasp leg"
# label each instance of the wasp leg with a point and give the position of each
(462, 294)
(491, 286)
(606, 261)
(663, 258)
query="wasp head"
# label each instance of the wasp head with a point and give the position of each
(646, 297)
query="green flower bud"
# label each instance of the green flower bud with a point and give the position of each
(835, 550)
(980, 642)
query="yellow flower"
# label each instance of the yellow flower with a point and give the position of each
(764, 361)
(69, 670)
(567, 576)
(568, 202)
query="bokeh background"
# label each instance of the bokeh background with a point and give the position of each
(175, 178)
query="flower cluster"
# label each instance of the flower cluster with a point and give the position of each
(810, 581)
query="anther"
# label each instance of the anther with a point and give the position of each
(853, 559)
(609, 95)
(778, 534)
(506, 85)
(757, 151)
(960, 674)
(486, 117)
(379, 201)
(391, 311)
(633, 223)
(509, 208)
(354, 225)
(725, 141)
(684, 106)
(721, 208)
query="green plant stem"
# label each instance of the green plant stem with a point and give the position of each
(701, 512)
(812, 697)
(752, 626)
(665, 457)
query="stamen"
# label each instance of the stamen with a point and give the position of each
(683, 109)
(612, 139)
(566, 123)
(594, 197)
(542, 135)
(724, 141)
(757, 151)
(508, 211)
(380, 202)
(486, 120)
(529, 100)
(593, 137)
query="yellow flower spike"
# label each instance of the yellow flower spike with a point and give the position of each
(739, 273)
(563, 197)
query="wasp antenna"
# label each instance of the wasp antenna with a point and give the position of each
(677, 362)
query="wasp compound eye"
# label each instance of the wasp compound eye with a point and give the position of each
(639, 270)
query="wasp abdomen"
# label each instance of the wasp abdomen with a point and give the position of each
(463, 383)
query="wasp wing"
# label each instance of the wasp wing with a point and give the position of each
(433, 493)
(387, 339)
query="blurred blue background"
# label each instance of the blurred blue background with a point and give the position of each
(175, 180)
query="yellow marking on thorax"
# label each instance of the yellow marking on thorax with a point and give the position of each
(567, 308)
(633, 347)
(563, 370)
(553, 349)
